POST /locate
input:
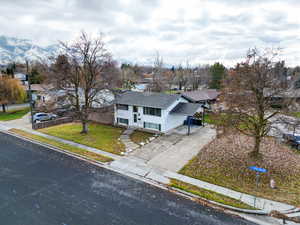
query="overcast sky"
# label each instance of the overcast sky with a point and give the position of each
(201, 31)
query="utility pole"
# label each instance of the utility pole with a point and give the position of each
(30, 93)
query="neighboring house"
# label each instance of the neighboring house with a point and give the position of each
(22, 77)
(153, 111)
(205, 96)
(46, 95)
(140, 87)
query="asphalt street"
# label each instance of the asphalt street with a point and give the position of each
(40, 186)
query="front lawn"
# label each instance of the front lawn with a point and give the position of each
(100, 136)
(296, 114)
(63, 146)
(14, 114)
(140, 136)
(225, 162)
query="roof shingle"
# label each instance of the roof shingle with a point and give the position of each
(147, 99)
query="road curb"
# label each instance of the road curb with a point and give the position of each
(248, 211)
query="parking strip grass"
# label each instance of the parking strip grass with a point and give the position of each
(209, 195)
(103, 137)
(66, 147)
(13, 114)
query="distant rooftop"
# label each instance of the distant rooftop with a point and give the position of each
(201, 95)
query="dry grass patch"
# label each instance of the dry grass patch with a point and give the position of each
(140, 136)
(63, 146)
(210, 195)
(225, 162)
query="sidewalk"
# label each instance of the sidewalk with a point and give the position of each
(139, 168)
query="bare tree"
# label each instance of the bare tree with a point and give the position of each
(82, 72)
(158, 82)
(250, 94)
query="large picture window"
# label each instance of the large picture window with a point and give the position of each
(153, 126)
(122, 107)
(122, 121)
(152, 111)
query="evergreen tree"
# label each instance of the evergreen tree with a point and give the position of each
(217, 72)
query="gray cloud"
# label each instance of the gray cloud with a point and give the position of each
(199, 30)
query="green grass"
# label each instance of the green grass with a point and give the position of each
(13, 115)
(172, 92)
(140, 136)
(210, 195)
(214, 119)
(296, 114)
(100, 136)
(208, 119)
(63, 146)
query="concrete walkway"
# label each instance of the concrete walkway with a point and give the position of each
(125, 139)
(138, 167)
(23, 122)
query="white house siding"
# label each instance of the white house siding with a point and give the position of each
(141, 118)
(166, 120)
(173, 120)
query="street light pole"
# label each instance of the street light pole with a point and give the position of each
(30, 93)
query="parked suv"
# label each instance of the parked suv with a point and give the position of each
(39, 117)
(293, 140)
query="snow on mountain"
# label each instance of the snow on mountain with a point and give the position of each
(18, 50)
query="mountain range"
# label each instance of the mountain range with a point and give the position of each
(18, 50)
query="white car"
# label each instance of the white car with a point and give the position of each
(39, 117)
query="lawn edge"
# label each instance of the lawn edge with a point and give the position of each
(186, 189)
(61, 149)
(212, 203)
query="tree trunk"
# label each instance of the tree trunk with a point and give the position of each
(84, 127)
(84, 121)
(3, 108)
(255, 152)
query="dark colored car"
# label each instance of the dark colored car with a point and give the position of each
(293, 140)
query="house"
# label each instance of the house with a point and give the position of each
(204, 96)
(157, 112)
(22, 77)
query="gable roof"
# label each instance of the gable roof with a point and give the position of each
(188, 109)
(147, 99)
(201, 95)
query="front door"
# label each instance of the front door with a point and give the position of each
(135, 115)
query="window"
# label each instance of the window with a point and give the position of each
(135, 108)
(122, 107)
(154, 126)
(122, 121)
(152, 111)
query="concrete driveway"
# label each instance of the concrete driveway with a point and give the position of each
(173, 150)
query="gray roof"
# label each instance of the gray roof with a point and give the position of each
(147, 99)
(188, 109)
(201, 95)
